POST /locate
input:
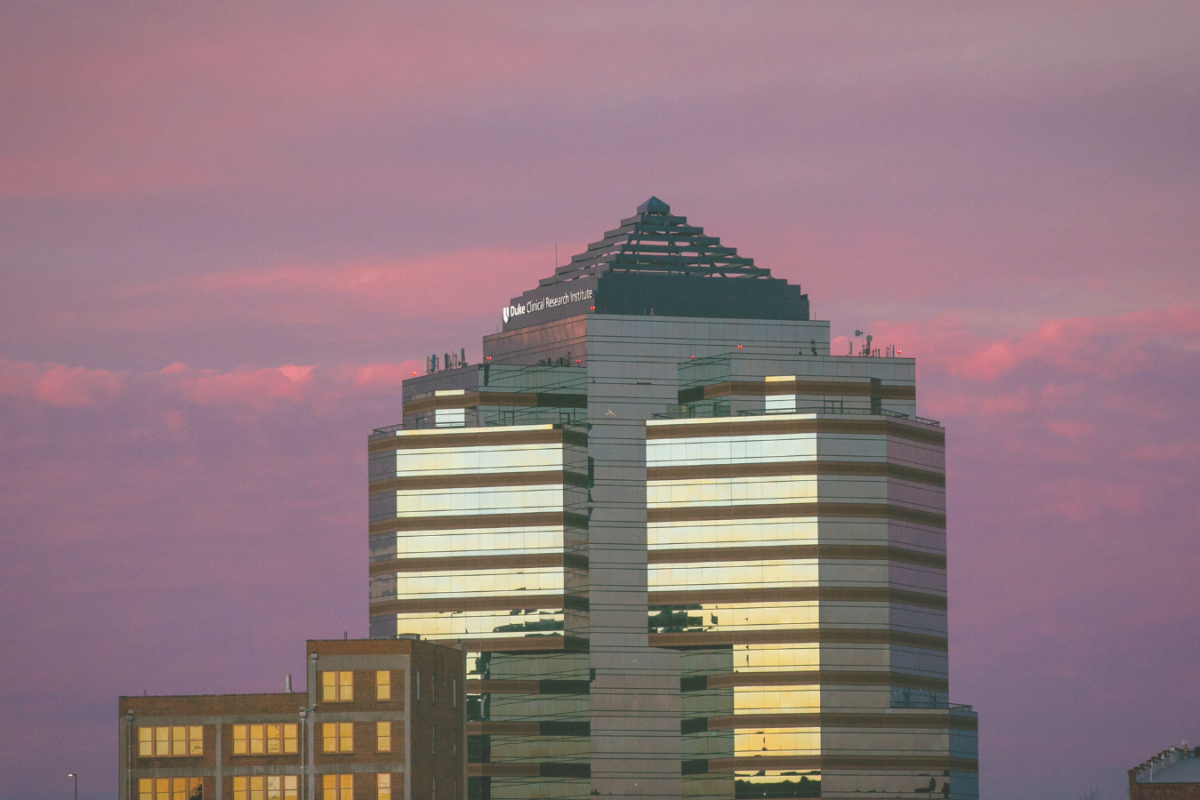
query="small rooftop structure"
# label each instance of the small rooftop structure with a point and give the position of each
(1165, 775)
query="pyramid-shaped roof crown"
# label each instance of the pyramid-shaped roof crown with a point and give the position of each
(658, 242)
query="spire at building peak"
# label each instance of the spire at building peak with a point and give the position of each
(654, 206)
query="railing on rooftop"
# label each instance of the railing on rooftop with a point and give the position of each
(722, 410)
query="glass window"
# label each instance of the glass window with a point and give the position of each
(337, 787)
(173, 740)
(274, 788)
(383, 734)
(258, 787)
(240, 789)
(383, 784)
(337, 687)
(145, 785)
(290, 787)
(256, 739)
(337, 737)
(383, 684)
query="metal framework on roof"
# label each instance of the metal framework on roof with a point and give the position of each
(657, 242)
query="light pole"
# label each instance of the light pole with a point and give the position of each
(75, 775)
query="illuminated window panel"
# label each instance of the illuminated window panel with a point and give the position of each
(759, 533)
(480, 542)
(481, 624)
(170, 789)
(383, 737)
(337, 687)
(478, 582)
(492, 500)
(718, 617)
(383, 786)
(777, 742)
(729, 449)
(732, 491)
(383, 685)
(777, 699)
(170, 741)
(473, 460)
(733, 575)
(337, 787)
(265, 739)
(337, 737)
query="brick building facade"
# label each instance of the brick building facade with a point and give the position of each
(381, 720)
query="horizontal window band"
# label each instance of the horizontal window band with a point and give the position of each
(849, 763)
(845, 552)
(507, 602)
(502, 399)
(476, 437)
(528, 687)
(763, 389)
(701, 641)
(782, 468)
(530, 728)
(819, 508)
(478, 521)
(815, 677)
(545, 769)
(468, 563)
(530, 643)
(482, 480)
(834, 594)
(933, 720)
(768, 426)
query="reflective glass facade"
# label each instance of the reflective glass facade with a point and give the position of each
(689, 556)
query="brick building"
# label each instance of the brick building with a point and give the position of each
(381, 720)
(1173, 774)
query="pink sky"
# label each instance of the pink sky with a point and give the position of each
(228, 233)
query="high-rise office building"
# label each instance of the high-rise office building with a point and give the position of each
(689, 551)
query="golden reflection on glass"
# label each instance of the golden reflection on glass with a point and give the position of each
(480, 459)
(765, 699)
(667, 535)
(717, 617)
(777, 742)
(480, 542)
(383, 737)
(473, 500)
(481, 624)
(695, 451)
(345, 686)
(274, 788)
(383, 786)
(383, 685)
(732, 491)
(478, 582)
(733, 575)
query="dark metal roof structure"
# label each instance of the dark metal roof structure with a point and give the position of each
(658, 242)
